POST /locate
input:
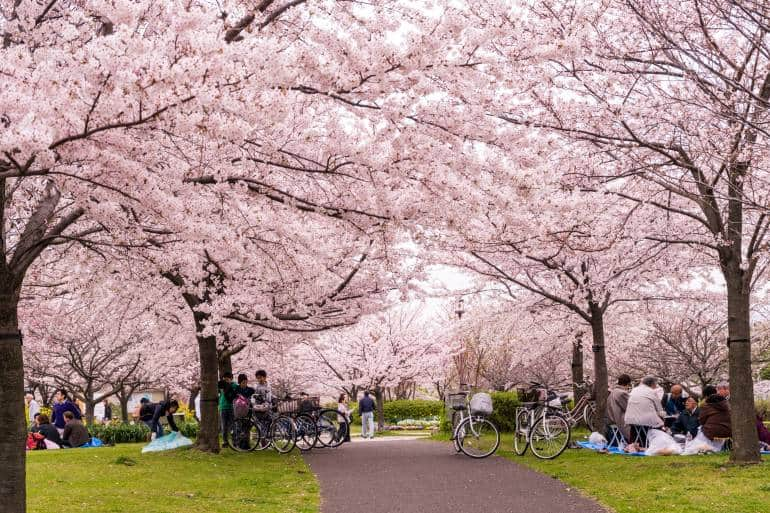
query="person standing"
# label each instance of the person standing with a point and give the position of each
(61, 405)
(227, 393)
(32, 406)
(75, 433)
(344, 409)
(107, 417)
(366, 408)
(167, 409)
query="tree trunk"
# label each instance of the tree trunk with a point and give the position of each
(12, 422)
(225, 362)
(601, 379)
(208, 436)
(90, 407)
(577, 367)
(194, 391)
(123, 409)
(744, 430)
(379, 397)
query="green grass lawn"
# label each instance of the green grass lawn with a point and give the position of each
(670, 484)
(99, 480)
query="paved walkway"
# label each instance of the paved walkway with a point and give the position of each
(393, 475)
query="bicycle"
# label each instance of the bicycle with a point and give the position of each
(300, 411)
(473, 434)
(540, 427)
(261, 428)
(584, 409)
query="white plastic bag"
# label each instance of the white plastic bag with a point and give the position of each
(165, 443)
(660, 443)
(481, 404)
(597, 439)
(51, 445)
(701, 444)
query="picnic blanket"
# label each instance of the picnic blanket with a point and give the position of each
(610, 450)
(95, 442)
(615, 450)
(172, 440)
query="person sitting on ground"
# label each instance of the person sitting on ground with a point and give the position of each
(616, 407)
(61, 405)
(75, 433)
(687, 422)
(48, 430)
(146, 411)
(643, 411)
(714, 415)
(673, 404)
(723, 389)
(762, 432)
(164, 409)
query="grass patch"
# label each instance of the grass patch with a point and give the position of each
(118, 479)
(692, 484)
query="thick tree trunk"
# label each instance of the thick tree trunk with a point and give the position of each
(601, 379)
(380, 398)
(577, 367)
(90, 407)
(194, 391)
(744, 430)
(208, 436)
(12, 422)
(225, 362)
(123, 409)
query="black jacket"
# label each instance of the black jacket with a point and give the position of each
(160, 411)
(366, 405)
(146, 412)
(49, 431)
(687, 423)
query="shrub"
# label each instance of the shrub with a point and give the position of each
(412, 409)
(120, 433)
(189, 429)
(504, 415)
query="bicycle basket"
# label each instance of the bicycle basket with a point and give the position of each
(289, 406)
(528, 395)
(481, 404)
(456, 401)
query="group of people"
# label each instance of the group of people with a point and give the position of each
(633, 413)
(64, 430)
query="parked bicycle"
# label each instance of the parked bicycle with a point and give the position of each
(584, 410)
(472, 433)
(264, 426)
(540, 426)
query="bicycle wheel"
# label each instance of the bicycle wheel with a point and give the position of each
(331, 427)
(283, 434)
(521, 437)
(549, 437)
(307, 432)
(245, 435)
(589, 415)
(479, 439)
(457, 418)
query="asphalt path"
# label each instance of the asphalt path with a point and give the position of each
(395, 475)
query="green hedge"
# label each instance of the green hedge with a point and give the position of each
(120, 433)
(412, 409)
(503, 416)
(117, 433)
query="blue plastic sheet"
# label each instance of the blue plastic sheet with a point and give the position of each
(615, 450)
(166, 443)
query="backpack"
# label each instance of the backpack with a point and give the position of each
(240, 407)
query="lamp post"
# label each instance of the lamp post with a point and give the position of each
(460, 308)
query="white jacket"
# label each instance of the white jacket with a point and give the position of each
(644, 408)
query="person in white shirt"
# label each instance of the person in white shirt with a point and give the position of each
(644, 410)
(34, 407)
(344, 409)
